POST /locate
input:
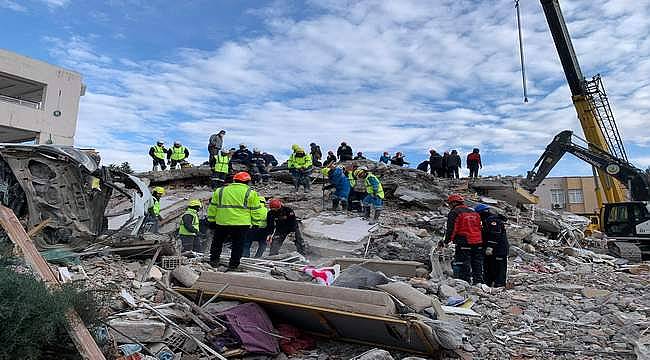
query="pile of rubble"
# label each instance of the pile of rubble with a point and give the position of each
(383, 285)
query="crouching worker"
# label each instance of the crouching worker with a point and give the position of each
(188, 229)
(375, 194)
(282, 221)
(464, 229)
(338, 180)
(230, 214)
(258, 231)
(496, 246)
(300, 166)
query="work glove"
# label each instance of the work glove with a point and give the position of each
(489, 251)
(269, 239)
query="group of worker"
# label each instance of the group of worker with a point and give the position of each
(225, 162)
(481, 243)
(176, 155)
(448, 164)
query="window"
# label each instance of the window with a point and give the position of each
(575, 196)
(618, 214)
(21, 91)
(557, 198)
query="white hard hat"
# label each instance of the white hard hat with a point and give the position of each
(177, 142)
(160, 141)
(363, 168)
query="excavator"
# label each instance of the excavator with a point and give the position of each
(626, 223)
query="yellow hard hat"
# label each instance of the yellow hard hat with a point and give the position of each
(159, 189)
(194, 202)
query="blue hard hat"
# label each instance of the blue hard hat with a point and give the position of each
(481, 207)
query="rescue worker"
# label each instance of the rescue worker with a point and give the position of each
(188, 228)
(445, 164)
(153, 214)
(270, 160)
(300, 166)
(385, 158)
(453, 164)
(464, 229)
(398, 160)
(258, 167)
(474, 163)
(316, 154)
(242, 156)
(158, 154)
(230, 215)
(215, 143)
(423, 166)
(258, 231)
(331, 158)
(176, 154)
(338, 180)
(374, 194)
(435, 163)
(344, 152)
(357, 189)
(220, 165)
(359, 156)
(281, 222)
(496, 246)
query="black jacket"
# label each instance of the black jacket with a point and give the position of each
(330, 160)
(453, 160)
(282, 220)
(423, 166)
(435, 161)
(344, 152)
(242, 156)
(270, 160)
(398, 161)
(494, 234)
(258, 160)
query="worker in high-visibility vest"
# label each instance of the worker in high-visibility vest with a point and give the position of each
(220, 165)
(176, 154)
(375, 194)
(158, 154)
(258, 232)
(300, 167)
(188, 229)
(230, 214)
(153, 215)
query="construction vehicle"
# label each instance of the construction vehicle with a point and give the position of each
(625, 221)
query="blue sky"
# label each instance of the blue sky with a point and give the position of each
(382, 75)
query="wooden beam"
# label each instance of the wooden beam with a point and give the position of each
(80, 335)
(38, 228)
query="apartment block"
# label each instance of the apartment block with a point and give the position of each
(576, 194)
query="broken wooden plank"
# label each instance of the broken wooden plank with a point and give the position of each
(199, 310)
(38, 228)
(79, 334)
(145, 276)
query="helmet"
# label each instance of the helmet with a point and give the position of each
(242, 145)
(295, 147)
(222, 132)
(194, 203)
(481, 207)
(325, 171)
(312, 144)
(159, 190)
(177, 142)
(160, 142)
(275, 203)
(357, 172)
(256, 150)
(455, 198)
(242, 176)
(363, 168)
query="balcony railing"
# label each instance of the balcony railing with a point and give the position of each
(31, 104)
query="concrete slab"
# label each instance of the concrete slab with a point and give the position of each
(336, 227)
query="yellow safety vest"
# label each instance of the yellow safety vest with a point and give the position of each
(159, 152)
(295, 162)
(221, 164)
(195, 223)
(258, 216)
(369, 188)
(233, 204)
(155, 209)
(352, 180)
(178, 153)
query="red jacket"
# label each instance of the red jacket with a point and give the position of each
(464, 226)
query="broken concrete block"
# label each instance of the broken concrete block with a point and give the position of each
(374, 354)
(185, 275)
(427, 200)
(445, 292)
(140, 330)
(405, 293)
(337, 227)
(594, 293)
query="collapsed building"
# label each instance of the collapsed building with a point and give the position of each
(390, 295)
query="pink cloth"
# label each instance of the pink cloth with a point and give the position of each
(324, 276)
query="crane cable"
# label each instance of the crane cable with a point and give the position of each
(521, 52)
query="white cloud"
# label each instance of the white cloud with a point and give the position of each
(12, 5)
(55, 3)
(405, 75)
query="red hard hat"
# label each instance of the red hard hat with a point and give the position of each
(455, 198)
(242, 176)
(275, 204)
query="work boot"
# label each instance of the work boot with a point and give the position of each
(335, 204)
(344, 205)
(375, 219)
(366, 213)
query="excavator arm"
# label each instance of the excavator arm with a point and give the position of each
(633, 178)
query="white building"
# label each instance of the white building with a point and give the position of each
(38, 102)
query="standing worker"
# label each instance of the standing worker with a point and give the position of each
(242, 156)
(316, 154)
(344, 152)
(258, 167)
(230, 214)
(258, 231)
(453, 164)
(398, 160)
(474, 163)
(384, 158)
(215, 144)
(464, 229)
(282, 221)
(496, 246)
(158, 154)
(153, 215)
(435, 162)
(176, 154)
(375, 194)
(188, 229)
(340, 182)
(220, 165)
(300, 166)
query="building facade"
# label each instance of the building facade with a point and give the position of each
(39, 102)
(576, 194)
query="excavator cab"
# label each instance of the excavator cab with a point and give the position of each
(628, 222)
